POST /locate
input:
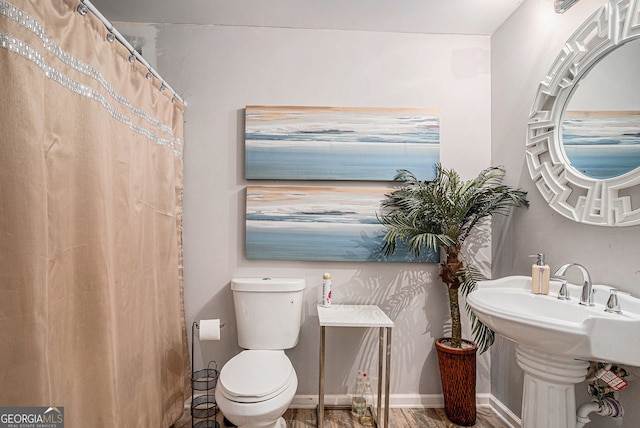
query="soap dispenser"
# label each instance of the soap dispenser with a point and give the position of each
(540, 274)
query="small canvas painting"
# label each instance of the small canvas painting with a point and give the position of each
(339, 143)
(319, 224)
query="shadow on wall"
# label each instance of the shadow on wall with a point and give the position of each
(415, 300)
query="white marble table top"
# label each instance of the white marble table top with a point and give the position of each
(353, 316)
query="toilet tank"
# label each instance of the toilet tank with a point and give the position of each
(268, 311)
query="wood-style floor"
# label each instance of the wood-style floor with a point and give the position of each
(398, 418)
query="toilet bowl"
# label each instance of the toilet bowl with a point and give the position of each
(256, 387)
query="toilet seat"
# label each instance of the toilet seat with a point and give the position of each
(256, 375)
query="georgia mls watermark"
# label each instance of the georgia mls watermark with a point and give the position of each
(31, 417)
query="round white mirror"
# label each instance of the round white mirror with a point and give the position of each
(583, 140)
(601, 122)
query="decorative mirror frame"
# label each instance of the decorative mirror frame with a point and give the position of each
(602, 202)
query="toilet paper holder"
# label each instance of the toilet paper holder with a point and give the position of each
(208, 329)
(203, 406)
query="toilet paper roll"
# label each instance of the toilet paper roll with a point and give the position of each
(210, 329)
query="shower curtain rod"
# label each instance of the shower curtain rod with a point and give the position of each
(128, 45)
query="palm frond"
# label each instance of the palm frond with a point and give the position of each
(483, 336)
(443, 213)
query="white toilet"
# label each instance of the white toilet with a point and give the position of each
(256, 386)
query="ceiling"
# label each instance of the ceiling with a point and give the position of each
(479, 17)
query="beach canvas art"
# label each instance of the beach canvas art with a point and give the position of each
(318, 224)
(602, 144)
(339, 143)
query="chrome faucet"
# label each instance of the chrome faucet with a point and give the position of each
(586, 298)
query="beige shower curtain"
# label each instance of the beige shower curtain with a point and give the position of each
(91, 296)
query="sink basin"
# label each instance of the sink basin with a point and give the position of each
(560, 327)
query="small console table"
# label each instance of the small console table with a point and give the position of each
(358, 316)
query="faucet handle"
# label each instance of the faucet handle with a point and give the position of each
(563, 294)
(613, 305)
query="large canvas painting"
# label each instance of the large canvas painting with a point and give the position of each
(602, 144)
(338, 143)
(318, 224)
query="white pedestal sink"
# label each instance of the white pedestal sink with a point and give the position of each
(555, 340)
(549, 398)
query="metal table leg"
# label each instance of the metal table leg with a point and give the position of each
(380, 361)
(320, 415)
(387, 379)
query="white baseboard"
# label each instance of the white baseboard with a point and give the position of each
(507, 416)
(411, 401)
(396, 401)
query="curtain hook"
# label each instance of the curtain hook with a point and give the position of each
(111, 37)
(132, 58)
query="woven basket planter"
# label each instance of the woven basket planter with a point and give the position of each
(458, 377)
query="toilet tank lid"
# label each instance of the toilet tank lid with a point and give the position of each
(267, 284)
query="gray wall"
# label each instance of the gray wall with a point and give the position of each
(219, 70)
(522, 51)
(484, 89)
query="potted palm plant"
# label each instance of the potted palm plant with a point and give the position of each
(440, 215)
